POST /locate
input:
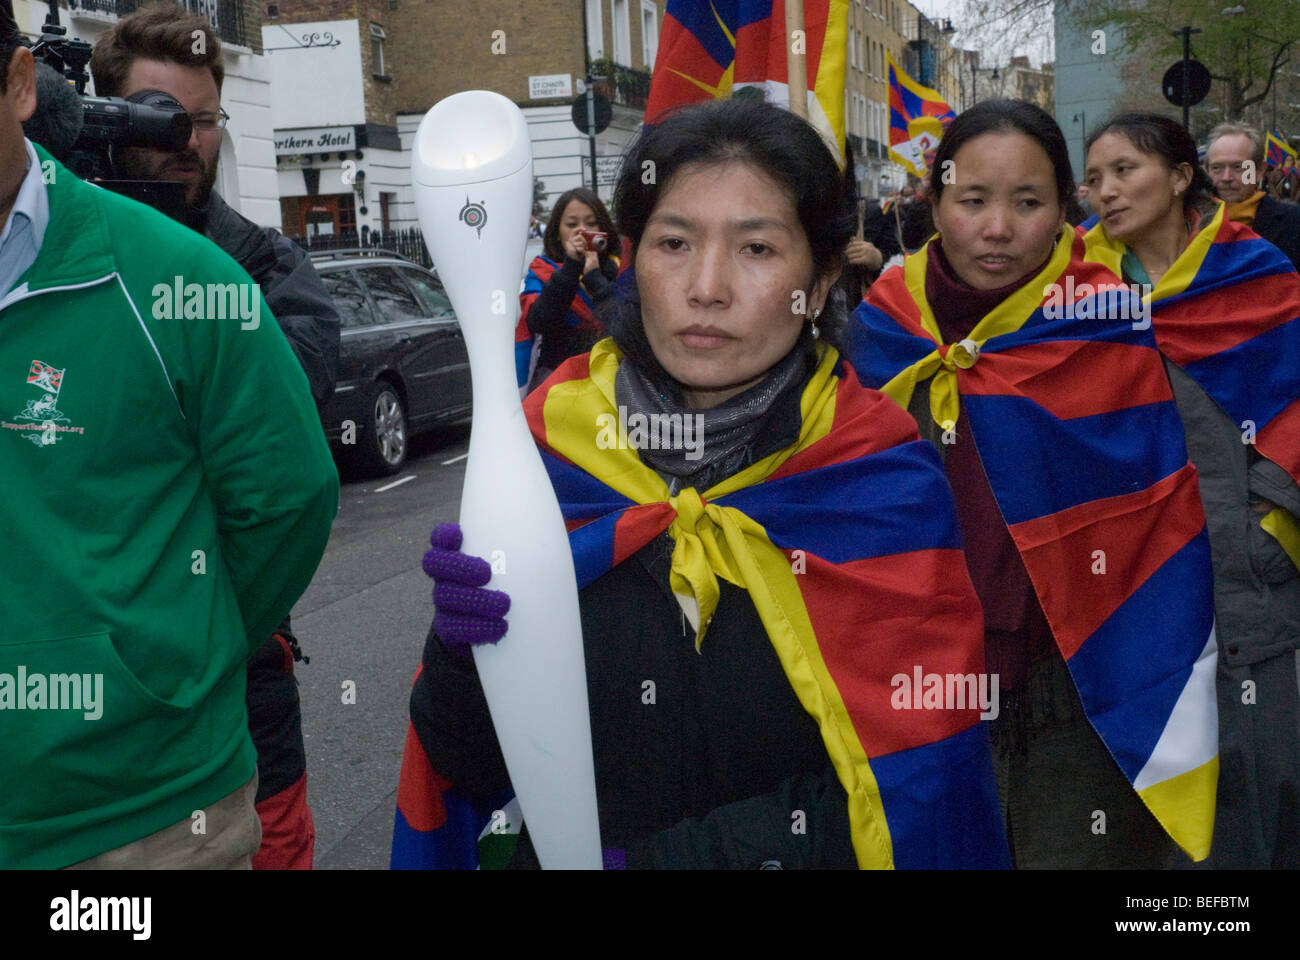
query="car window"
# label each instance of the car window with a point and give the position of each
(348, 297)
(393, 300)
(430, 291)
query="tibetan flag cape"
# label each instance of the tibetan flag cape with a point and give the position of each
(917, 117)
(1075, 423)
(848, 545)
(1228, 313)
(580, 315)
(438, 827)
(716, 49)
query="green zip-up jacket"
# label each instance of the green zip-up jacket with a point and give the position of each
(166, 493)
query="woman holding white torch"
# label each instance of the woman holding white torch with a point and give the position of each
(761, 562)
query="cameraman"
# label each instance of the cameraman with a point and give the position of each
(152, 49)
(168, 492)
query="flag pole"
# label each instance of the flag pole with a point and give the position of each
(796, 58)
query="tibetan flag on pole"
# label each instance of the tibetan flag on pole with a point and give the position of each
(917, 117)
(717, 49)
(1278, 149)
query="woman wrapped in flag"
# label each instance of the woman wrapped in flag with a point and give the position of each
(783, 647)
(1225, 309)
(565, 286)
(1036, 378)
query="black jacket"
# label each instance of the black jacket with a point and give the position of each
(291, 286)
(702, 759)
(1278, 222)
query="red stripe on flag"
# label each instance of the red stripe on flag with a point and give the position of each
(639, 525)
(890, 296)
(1061, 376)
(679, 50)
(875, 621)
(1222, 319)
(761, 46)
(526, 302)
(419, 792)
(575, 368)
(1136, 534)
(881, 424)
(1279, 440)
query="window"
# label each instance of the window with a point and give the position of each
(393, 301)
(385, 210)
(853, 48)
(429, 291)
(649, 34)
(347, 214)
(377, 38)
(348, 298)
(622, 34)
(595, 29)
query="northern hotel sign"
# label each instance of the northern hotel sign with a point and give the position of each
(316, 140)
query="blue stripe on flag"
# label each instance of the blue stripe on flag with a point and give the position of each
(894, 501)
(932, 825)
(878, 347)
(1256, 379)
(1132, 670)
(1038, 465)
(701, 21)
(453, 846)
(1227, 264)
(523, 354)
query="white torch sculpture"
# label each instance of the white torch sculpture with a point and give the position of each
(472, 172)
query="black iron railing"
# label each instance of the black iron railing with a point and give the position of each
(407, 243)
(226, 16)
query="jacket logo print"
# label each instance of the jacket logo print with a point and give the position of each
(41, 421)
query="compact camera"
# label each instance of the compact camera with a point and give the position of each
(595, 240)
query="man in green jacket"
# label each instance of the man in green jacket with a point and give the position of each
(165, 496)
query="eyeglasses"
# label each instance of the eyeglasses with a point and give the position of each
(1217, 169)
(209, 121)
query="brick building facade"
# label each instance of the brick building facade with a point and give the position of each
(391, 60)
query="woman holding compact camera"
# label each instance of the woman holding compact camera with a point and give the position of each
(564, 286)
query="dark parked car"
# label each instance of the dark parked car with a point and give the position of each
(403, 368)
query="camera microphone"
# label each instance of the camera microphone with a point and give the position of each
(57, 120)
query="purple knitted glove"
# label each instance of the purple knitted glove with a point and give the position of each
(464, 613)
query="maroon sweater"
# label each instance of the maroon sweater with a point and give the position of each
(1016, 630)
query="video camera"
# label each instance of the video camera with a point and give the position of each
(149, 118)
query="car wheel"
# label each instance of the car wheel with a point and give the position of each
(384, 451)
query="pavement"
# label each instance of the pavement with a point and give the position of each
(363, 623)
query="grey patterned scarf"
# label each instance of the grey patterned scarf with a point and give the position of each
(700, 448)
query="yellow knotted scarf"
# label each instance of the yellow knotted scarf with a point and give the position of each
(946, 359)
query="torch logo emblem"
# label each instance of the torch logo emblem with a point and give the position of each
(474, 215)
